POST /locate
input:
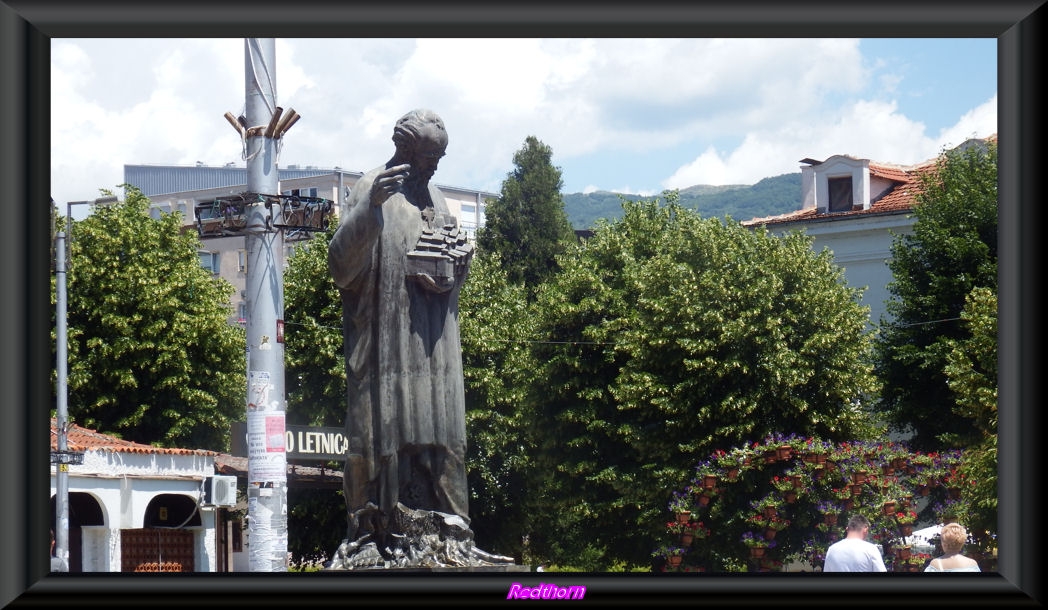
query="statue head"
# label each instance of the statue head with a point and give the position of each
(421, 139)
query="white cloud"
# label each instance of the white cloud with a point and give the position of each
(746, 108)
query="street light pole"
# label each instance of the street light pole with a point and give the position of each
(62, 468)
(264, 286)
(62, 458)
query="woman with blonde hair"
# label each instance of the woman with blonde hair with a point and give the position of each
(952, 538)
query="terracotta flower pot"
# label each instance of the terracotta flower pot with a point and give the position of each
(683, 516)
(790, 496)
(770, 511)
(674, 560)
(906, 529)
(757, 552)
(829, 519)
(704, 500)
(783, 452)
(686, 539)
(709, 481)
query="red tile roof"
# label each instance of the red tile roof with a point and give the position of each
(900, 199)
(85, 439)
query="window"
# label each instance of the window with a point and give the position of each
(840, 191)
(209, 261)
(242, 261)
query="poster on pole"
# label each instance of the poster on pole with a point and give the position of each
(267, 461)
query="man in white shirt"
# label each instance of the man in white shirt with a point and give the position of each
(853, 553)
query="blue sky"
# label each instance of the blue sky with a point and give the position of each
(625, 115)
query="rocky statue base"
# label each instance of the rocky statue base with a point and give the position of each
(412, 538)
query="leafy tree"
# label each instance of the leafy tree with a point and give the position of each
(526, 226)
(953, 249)
(152, 358)
(497, 368)
(314, 363)
(666, 335)
(972, 376)
(315, 381)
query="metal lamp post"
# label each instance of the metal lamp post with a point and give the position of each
(62, 458)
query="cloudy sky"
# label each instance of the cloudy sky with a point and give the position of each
(627, 115)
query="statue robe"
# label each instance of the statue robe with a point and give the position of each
(405, 415)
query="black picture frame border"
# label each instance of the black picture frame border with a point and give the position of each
(26, 28)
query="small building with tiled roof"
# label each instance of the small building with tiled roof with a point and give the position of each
(855, 208)
(138, 508)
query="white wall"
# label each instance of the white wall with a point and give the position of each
(123, 484)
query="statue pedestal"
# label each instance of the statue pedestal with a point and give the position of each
(414, 540)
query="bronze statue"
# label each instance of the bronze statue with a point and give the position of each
(399, 262)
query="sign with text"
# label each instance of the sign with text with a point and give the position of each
(300, 443)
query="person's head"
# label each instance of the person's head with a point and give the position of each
(952, 538)
(421, 139)
(858, 525)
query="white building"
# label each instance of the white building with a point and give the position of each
(138, 508)
(855, 208)
(181, 188)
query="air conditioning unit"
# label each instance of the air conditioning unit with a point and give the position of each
(220, 491)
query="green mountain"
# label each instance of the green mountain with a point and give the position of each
(769, 197)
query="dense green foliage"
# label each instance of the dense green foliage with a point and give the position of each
(794, 495)
(953, 249)
(972, 376)
(316, 523)
(526, 226)
(665, 336)
(152, 357)
(315, 368)
(769, 197)
(497, 368)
